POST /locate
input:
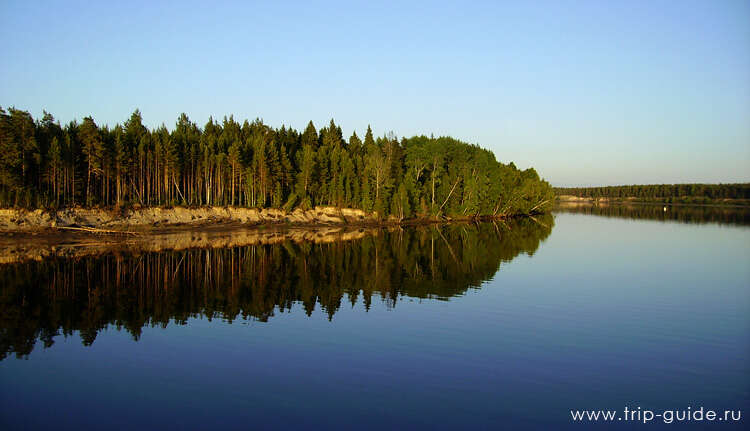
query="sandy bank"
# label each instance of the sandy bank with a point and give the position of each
(18, 220)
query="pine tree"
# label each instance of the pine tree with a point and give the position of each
(55, 168)
(307, 170)
(11, 179)
(93, 149)
(255, 165)
(377, 169)
(310, 136)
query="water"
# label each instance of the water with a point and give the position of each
(699, 214)
(491, 326)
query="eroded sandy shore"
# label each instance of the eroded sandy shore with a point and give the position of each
(37, 235)
(18, 220)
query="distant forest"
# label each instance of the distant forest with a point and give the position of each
(663, 192)
(46, 165)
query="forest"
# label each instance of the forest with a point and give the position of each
(52, 297)
(250, 164)
(677, 193)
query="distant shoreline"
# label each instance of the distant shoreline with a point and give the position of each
(735, 194)
(576, 200)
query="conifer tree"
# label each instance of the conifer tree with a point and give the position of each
(255, 165)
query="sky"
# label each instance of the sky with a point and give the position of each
(586, 92)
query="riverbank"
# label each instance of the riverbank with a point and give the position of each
(139, 219)
(19, 221)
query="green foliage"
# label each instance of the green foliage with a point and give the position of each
(254, 165)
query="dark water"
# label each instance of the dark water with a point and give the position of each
(491, 326)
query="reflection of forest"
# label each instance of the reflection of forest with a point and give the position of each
(41, 300)
(680, 213)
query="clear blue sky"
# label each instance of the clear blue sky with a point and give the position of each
(589, 93)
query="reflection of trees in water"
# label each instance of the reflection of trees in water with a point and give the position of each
(40, 300)
(684, 214)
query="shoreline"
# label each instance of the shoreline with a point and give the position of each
(567, 200)
(155, 220)
(38, 245)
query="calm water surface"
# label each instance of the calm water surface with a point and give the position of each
(490, 326)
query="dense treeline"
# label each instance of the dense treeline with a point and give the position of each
(43, 164)
(662, 192)
(43, 299)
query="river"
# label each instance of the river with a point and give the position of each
(497, 325)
